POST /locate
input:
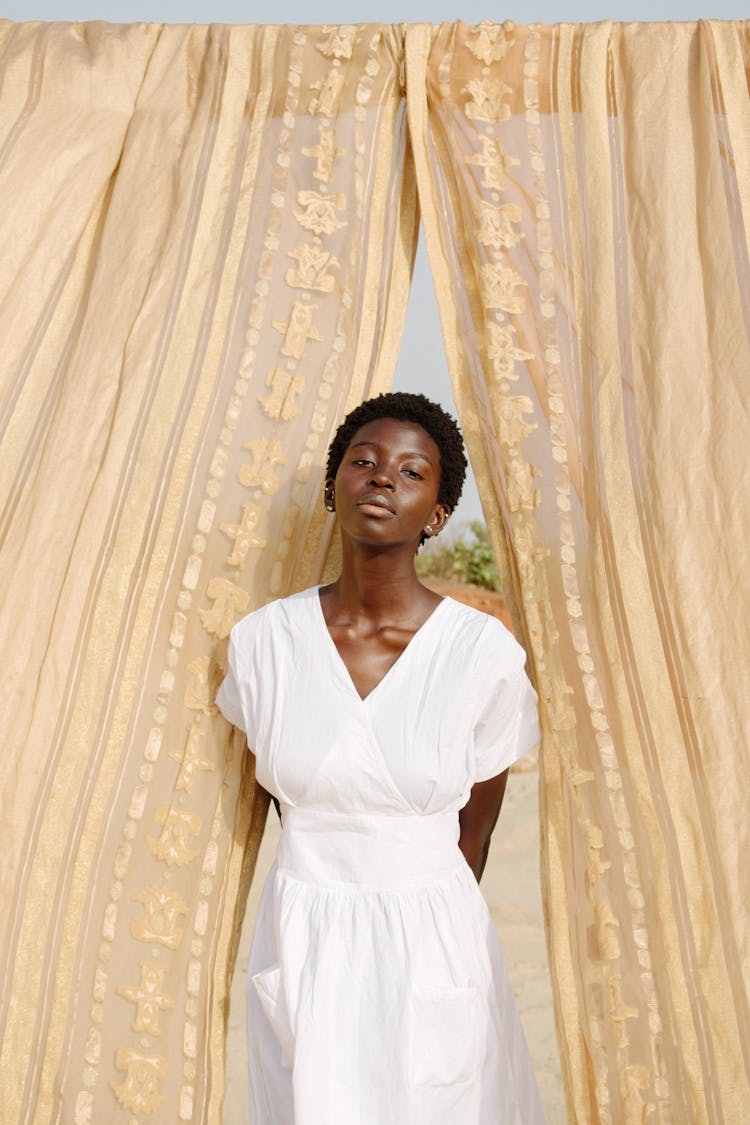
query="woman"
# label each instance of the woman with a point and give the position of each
(384, 719)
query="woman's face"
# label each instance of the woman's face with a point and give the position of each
(387, 484)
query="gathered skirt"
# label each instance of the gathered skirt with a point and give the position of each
(382, 1000)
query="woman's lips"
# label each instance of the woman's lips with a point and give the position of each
(375, 506)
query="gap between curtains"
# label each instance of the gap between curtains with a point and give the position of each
(208, 236)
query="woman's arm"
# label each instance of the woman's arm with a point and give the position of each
(477, 820)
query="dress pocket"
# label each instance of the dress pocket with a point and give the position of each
(444, 1036)
(270, 992)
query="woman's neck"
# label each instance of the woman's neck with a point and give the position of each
(381, 587)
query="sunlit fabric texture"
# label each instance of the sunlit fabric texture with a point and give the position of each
(207, 235)
(585, 191)
(206, 240)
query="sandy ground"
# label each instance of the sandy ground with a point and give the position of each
(511, 886)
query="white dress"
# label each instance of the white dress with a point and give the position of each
(377, 992)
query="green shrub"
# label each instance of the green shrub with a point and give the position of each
(469, 558)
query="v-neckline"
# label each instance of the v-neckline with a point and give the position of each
(339, 660)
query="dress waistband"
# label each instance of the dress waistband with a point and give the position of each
(373, 849)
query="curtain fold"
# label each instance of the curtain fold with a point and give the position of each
(584, 190)
(208, 235)
(208, 238)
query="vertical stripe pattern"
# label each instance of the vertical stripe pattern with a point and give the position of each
(209, 237)
(584, 192)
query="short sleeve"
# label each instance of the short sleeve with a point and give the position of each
(231, 698)
(508, 724)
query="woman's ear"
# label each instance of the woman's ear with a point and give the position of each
(438, 520)
(329, 495)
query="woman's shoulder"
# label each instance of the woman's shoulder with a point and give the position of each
(274, 613)
(486, 634)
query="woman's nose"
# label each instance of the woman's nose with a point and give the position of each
(381, 477)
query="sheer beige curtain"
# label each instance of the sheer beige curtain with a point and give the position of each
(207, 240)
(207, 235)
(586, 198)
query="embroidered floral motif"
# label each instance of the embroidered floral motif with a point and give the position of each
(494, 163)
(298, 329)
(496, 226)
(312, 269)
(606, 925)
(595, 865)
(498, 288)
(318, 212)
(243, 534)
(267, 453)
(200, 691)
(139, 1092)
(229, 601)
(149, 997)
(325, 153)
(327, 93)
(578, 775)
(512, 426)
(490, 42)
(529, 551)
(286, 386)
(556, 692)
(163, 910)
(172, 846)
(522, 493)
(619, 1011)
(503, 352)
(634, 1079)
(487, 101)
(338, 42)
(191, 762)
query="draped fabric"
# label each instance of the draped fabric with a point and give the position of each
(207, 238)
(585, 192)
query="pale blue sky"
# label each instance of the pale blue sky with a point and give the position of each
(421, 365)
(356, 11)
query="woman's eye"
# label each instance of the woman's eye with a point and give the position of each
(413, 474)
(361, 461)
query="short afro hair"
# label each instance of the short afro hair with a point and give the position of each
(406, 407)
